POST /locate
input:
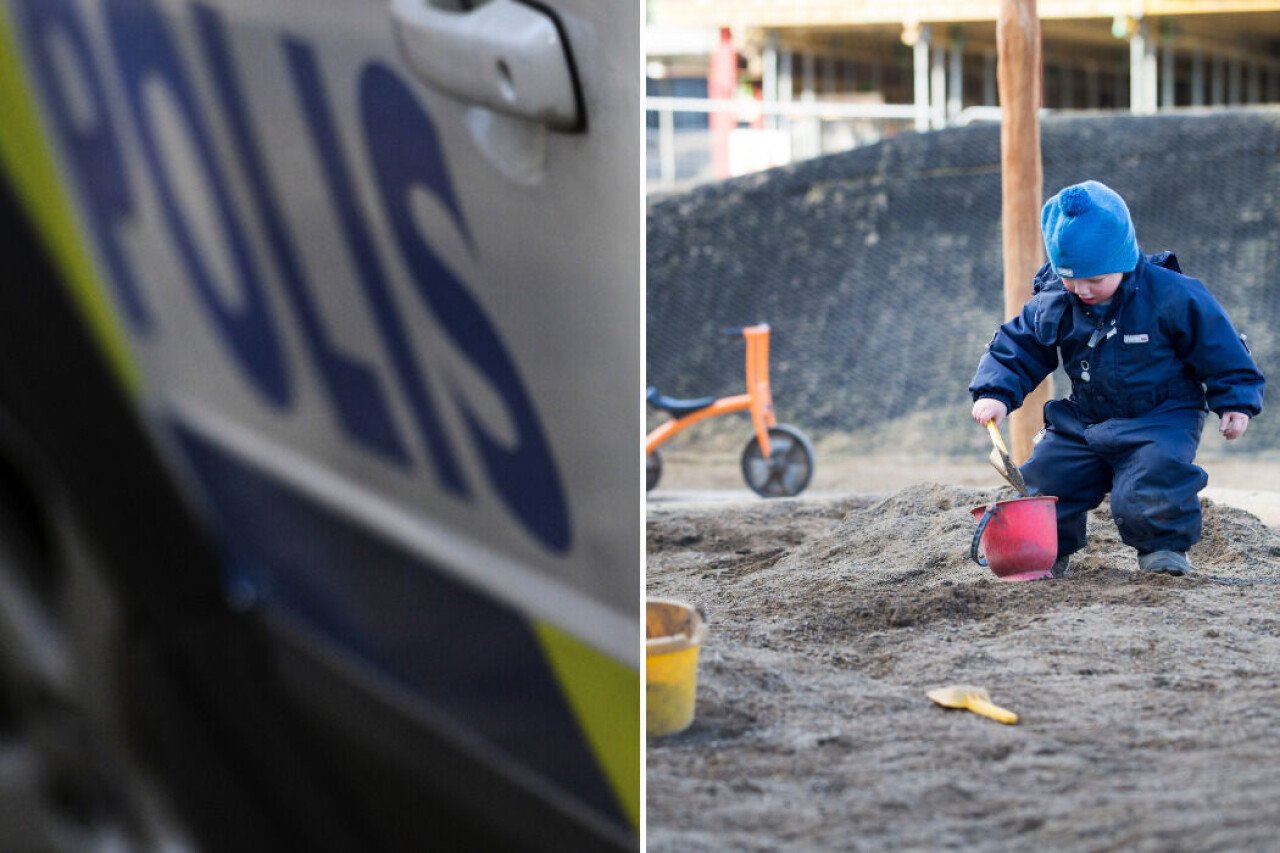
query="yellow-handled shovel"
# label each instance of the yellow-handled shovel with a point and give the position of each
(970, 698)
(1001, 461)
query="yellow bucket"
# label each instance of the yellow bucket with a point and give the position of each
(673, 635)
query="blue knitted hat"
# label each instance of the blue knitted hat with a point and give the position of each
(1088, 231)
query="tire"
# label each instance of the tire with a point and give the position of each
(652, 470)
(71, 780)
(788, 472)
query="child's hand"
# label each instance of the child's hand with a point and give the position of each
(1233, 424)
(988, 409)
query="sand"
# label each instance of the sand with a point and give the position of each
(1150, 705)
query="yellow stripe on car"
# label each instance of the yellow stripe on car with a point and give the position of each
(27, 157)
(605, 698)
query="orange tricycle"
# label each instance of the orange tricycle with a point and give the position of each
(777, 461)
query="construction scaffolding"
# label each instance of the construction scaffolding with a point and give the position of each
(811, 77)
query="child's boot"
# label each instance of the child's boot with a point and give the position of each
(1062, 566)
(1165, 562)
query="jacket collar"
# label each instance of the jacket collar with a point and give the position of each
(1048, 280)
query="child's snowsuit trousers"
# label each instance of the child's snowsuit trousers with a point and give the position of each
(1145, 462)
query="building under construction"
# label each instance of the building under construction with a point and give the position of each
(788, 79)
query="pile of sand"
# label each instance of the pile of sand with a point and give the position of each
(1149, 703)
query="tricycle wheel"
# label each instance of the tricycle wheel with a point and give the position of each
(652, 469)
(787, 471)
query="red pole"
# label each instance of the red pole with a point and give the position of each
(722, 81)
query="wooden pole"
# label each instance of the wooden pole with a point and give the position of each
(1018, 76)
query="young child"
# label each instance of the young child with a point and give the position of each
(1148, 350)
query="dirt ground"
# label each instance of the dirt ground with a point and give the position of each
(1248, 482)
(1150, 706)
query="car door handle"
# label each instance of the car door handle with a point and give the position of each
(504, 55)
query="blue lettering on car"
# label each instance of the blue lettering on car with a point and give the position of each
(355, 390)
(93, 150)
(146, 54)
(376, 288)
(401, 144)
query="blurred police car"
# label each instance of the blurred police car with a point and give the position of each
(319, 351)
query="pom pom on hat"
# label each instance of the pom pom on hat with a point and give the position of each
(1088, 232)
(1074, 201)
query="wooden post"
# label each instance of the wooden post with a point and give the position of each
(1022, 183)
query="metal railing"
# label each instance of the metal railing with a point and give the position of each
(762, 135)
(767, 134)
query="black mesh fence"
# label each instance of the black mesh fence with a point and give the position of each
(879, 269)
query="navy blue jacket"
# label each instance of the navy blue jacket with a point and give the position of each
(1163, 336)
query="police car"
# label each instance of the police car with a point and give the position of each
(319, 351)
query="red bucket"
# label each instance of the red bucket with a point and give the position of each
(1020, 537)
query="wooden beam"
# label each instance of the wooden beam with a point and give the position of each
(1071, 44)
(856, 13)
(1018, 80)
(1207, 7)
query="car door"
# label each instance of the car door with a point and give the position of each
(369, 274)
